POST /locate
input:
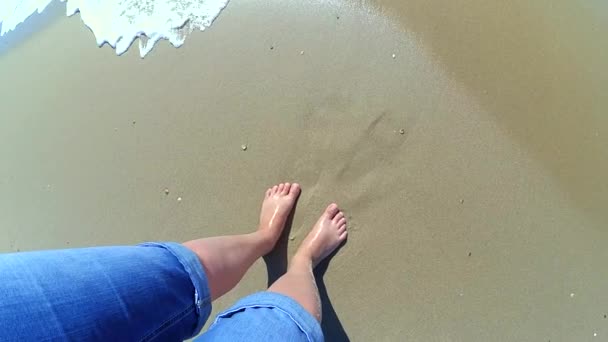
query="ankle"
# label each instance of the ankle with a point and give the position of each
(302, 259)
(266, 241)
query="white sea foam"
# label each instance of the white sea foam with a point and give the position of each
(120, 22)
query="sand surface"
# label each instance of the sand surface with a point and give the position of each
(484, 221)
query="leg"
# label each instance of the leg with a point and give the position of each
(227, 258)
(155, 291)
(299, 282)
(119, 293)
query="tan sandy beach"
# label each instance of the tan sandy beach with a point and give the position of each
(466, 141)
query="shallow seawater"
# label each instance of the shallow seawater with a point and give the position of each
(119, 23)
(539, 68)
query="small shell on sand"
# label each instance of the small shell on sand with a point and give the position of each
(302, 52)
(244, 147)
(394, 56)
(166, 191)
(291, 238)
(179, 199)
(402, 131)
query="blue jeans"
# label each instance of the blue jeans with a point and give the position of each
(150, 292)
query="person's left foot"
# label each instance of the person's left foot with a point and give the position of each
(278, 203)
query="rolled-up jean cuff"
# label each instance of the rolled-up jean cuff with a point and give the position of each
(308, 325)
(192, 265)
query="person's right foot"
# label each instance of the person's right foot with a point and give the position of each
(326, 235)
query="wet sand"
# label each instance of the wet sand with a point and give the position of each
(484, 220)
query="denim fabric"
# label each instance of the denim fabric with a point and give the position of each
(150, 292)
(153, 292)
(264, 316)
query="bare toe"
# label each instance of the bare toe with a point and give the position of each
(294, 189)
(286, 189)
(332, 210)
(338, 217)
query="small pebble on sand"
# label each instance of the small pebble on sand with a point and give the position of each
(179, 199)
(461, 201)
(291, 238)
(244, 147)
(402, 131)
(272, 48)
(572, 295)
(166, 191)
(470, 253)
(302, 52)
(394, 56)
(594, 334)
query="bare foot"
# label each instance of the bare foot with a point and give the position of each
(326, 235)
(278, 203)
